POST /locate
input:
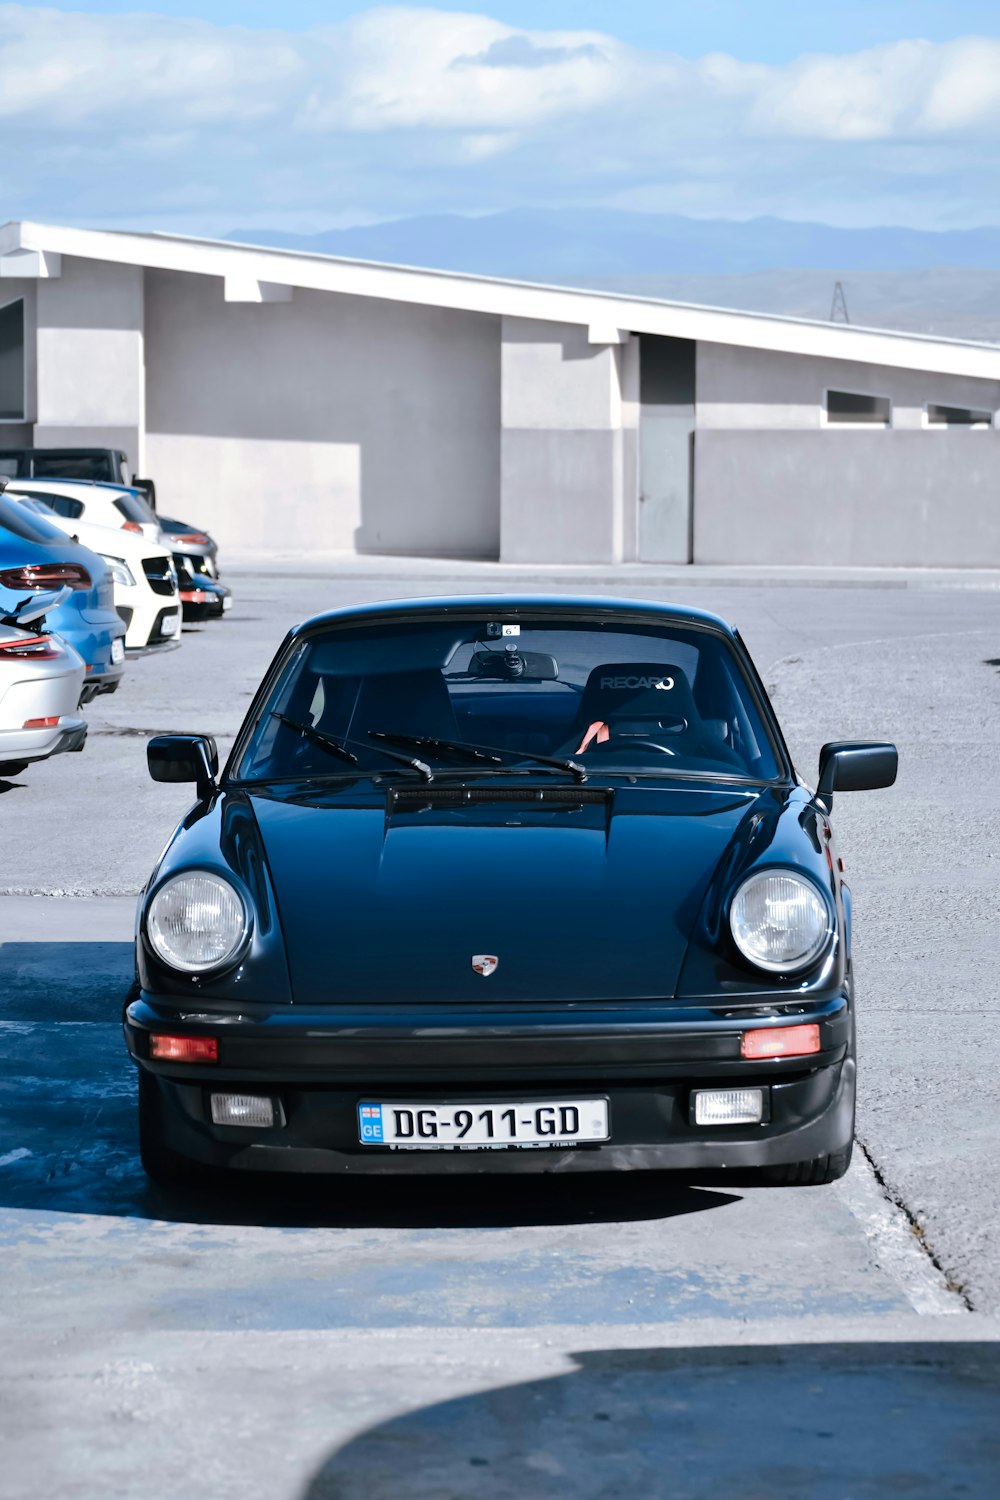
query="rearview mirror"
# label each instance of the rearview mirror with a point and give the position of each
(856, 766)
(514, 666)
(184, 757)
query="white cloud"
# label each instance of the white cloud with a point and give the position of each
(400, 110)
(908, 89)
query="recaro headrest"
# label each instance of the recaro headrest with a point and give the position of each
(637, 690)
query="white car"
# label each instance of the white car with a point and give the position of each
(97, 503)
(143, 573)
(41, 678)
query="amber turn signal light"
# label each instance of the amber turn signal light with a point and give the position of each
(781, 1041)
(188, 1049)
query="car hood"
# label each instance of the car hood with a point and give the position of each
(578, 901)
(113, 541)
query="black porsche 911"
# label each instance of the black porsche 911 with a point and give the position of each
(501, 884)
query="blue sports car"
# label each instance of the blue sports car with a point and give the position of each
(501, 884)
(35, 558)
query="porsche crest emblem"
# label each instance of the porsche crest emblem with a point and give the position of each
(484, 963)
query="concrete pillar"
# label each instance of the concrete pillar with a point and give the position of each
(90, 374)
(567, 456)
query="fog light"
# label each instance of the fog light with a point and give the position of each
(729, 1106)
(242, 1109)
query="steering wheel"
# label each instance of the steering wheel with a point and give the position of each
(638, 746)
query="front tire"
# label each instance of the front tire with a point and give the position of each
(159, 1162)
(815, 1173)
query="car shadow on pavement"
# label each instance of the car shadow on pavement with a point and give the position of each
(68, 1132)
(494, 1202)
(809, 1421)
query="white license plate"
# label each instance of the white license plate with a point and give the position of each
(227, 601)
(415, 1125)
(118, 649)
(169, 624)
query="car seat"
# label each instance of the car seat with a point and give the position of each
(624, 703)
(404, 703)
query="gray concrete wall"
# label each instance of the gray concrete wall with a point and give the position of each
(569, 411)
(561, 494)
(755, 388)
(89, 385)
(324, 422)
(857, 498)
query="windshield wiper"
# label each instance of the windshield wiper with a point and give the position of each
(335, 747)
(339, 748)
(443, 747)
(489, 753)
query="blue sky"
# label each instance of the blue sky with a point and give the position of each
(757, 30)
(209, 114)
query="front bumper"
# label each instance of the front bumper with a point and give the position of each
(200, 603)
(321, 1065)
(152, 625)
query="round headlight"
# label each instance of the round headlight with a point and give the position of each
(196, 922)
(779, 921)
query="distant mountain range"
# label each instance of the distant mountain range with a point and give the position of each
(945, 282)
(563, 243)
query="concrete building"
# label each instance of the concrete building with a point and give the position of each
(288, 400)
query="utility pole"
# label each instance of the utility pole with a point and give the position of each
(838, 307)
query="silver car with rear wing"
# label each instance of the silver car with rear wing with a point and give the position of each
(41, 678)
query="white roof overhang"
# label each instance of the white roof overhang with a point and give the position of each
(242, 266)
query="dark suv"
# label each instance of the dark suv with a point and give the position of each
(109, 465)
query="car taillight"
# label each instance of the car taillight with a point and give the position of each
(132, 526)
(49, 723)
(189, 1049)
(36, 578)
(193, 539)
(31, 648)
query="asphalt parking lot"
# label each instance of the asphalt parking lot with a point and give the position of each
(537, 1337)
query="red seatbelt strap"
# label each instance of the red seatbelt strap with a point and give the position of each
(598, 731)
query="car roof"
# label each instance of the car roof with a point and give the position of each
(85, 452)
(569, 605)
(51, 482)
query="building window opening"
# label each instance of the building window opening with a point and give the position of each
(850, 409)
(957, 416)
(12, 362)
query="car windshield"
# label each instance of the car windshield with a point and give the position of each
(84, 466)
(615, 696)
(43, 503)
(135, 507)
(18, 519)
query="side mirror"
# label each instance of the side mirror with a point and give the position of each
(148, 488)
(184, 757)
(856, 766)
